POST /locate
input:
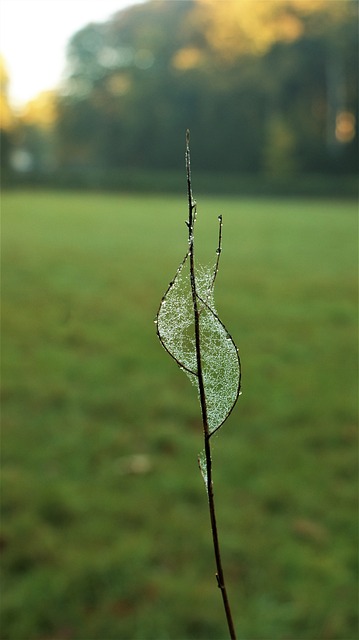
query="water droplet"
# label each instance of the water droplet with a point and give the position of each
(155, 321)
(218, 251)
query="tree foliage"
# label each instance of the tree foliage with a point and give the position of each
(7, 118)
(262, 84)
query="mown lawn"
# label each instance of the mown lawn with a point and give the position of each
(104, 526)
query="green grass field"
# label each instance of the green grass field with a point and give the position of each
(105, 532)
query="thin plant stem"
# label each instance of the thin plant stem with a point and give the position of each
(202, 397)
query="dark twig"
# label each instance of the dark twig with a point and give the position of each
(202, 395)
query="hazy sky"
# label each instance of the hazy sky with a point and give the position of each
(33, 37)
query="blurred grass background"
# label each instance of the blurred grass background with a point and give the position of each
(105, 531)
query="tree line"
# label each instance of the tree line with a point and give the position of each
(265, 87)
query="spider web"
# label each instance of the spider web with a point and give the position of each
(219, 355)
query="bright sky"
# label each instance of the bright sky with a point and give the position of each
(33, 38)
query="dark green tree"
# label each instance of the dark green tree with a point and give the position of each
(136, 82)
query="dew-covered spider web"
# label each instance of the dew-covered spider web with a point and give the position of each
(219, 355)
